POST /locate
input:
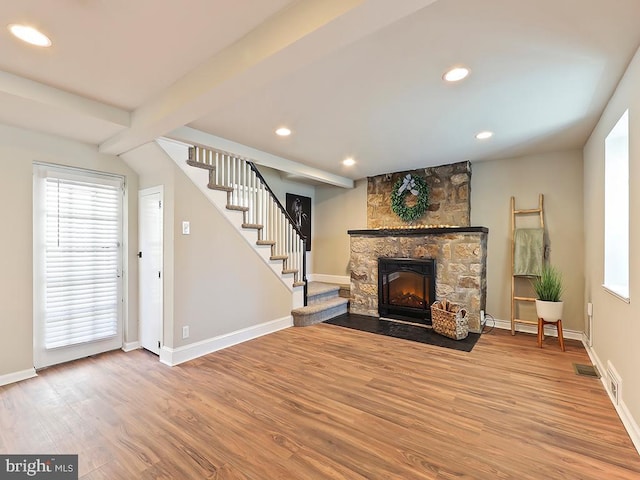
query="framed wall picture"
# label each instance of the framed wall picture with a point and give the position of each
(299, 207)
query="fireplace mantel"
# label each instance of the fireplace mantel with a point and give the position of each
(392, 232)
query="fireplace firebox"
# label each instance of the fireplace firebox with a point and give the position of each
(406, 288)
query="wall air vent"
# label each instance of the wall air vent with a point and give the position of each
(614, 384)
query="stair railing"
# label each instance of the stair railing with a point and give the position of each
(248, 189)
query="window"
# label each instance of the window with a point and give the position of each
(77, 259)
(616, 209)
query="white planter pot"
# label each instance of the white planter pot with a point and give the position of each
(549, 311)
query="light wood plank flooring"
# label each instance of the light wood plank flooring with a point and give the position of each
(327, 402)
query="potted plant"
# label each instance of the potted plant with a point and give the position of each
(548, 288)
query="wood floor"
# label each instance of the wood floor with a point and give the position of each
(327, 402)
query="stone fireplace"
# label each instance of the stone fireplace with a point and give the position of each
(458, 251)
(460, 255)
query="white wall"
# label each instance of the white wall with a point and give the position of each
(19, 148)
(558, 176)
(616, 324)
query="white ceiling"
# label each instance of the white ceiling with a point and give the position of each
(357, 78)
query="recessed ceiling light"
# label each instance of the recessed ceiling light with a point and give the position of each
(283, 132)
(348, 162)
(456, 74)
(30, 35)
(484, 135)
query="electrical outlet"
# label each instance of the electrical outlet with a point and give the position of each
(185, 331)
(186, 228)
(482, 319)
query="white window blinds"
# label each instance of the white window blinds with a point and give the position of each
(82, 231)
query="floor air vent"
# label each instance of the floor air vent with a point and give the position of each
(586, 370)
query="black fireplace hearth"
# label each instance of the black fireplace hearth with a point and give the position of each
(406, 288)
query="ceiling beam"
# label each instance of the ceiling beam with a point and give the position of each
(192, 136)
(292, 38)
(32, 91)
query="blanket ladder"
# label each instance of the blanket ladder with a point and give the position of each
(516, 298)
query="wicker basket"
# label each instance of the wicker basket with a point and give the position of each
(450, 324)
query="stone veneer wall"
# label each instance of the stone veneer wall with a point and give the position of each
(461, 264)
(449, 197)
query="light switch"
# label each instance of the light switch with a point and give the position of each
(186, 229)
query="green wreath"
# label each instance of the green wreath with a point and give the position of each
(410, 185)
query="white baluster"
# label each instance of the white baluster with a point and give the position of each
(274, 226)
(292, 260)
(259, 205)
(247, 191)
(260, 208)
(296, 247)
(265, 215)
(283, 246)
(268, 216)
(241, 182)
(254, 198)
(217, 160)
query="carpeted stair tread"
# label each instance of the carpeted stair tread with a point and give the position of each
(238, 208)
(319, 312)
(321, 288)
(318, 292)
(222, 188)
(318, 307)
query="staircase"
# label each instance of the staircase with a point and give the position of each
(323, 302)
(238, 190)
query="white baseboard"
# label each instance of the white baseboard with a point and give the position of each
(548, 331)
(13, 377)
(175, 356)
(628, 421)
(629, 424)
(321, 277)
(130, 346)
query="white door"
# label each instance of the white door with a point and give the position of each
(78, 271)
(150, 268)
